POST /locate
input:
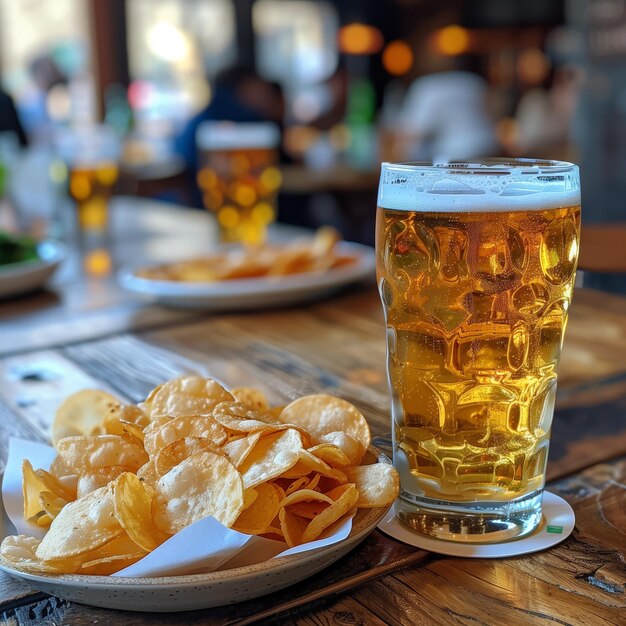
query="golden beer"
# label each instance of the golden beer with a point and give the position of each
(239, 178)
(91, 186)
(91, 155)
(476, 304)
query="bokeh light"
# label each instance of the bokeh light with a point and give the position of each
(533, 66)
(397, 57)
(359, 38)
(98, 263)
(452, 40)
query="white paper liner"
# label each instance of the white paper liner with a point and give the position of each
(204, 546)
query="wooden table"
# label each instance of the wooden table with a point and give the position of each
(85, 332)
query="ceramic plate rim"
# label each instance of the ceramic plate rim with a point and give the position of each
(369, 519)
(363, 266)
(364, 522)
(51, 252)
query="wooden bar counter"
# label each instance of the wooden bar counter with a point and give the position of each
(84, 331)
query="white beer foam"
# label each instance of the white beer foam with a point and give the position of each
(479, 190)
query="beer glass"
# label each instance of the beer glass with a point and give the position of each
(91, 154)
(239, 178)
(476, 264)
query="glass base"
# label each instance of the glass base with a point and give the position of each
(471, 522)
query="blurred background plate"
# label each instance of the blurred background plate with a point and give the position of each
(255, 293)
(18, 278)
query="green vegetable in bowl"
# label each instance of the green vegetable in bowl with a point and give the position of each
(17, 248)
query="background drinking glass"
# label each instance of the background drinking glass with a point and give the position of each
(476, 268)
(91, 155)
(239, 178)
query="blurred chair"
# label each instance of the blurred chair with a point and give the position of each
(602, 257)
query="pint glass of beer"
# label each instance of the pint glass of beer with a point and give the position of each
(91, 154)
(476, 264)
(239, 178)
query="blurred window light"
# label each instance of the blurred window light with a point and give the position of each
(533, 66)
(57, 30)
(452, 40)
(173, 46)
(168, 42)
(296, 40)
(398, 57)
(360, 39)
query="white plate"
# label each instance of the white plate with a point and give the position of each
(18, 278)
(199, 591)
(256, 293)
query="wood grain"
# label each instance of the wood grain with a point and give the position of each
(335, 346)
(579, 582)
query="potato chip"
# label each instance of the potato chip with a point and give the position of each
(299, 483)
(249, 496)
(378, 484)
(84, 454)
(99, 477)
(43, 521)
(292, 527)
(36, 482)
(313, 483)
(254, 519)
(350, 446)
(203, 484)
(82, 413)
(279, 490)
(114, 425)
(19, 552)
(190, 395)
(241, 418)
(147, 474)
(111, 557)
(172, 454)
(253, 398)
(134, 414)
(51, 504)
(303, 495)
(181, 427)
(316, 464)
(330, 454)
(273, 532)
(346, 501)
(239, 449)
(308, 509)
(322, 414)
(59, 468)
(107, 565)
(299, 470)
(272, 455)
(81, 526)
(133, 509)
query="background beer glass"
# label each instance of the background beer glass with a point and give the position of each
(91, 153)
(239, 178)
(476, 268)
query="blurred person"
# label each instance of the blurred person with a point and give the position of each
(9, 118)
(544, 115)
(444, 116)
(239, 95)
(47, 82)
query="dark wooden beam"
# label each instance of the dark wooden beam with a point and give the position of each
(109, 45)
(245, 34)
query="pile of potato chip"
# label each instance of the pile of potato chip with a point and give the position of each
(317, 254)
(128, 477)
